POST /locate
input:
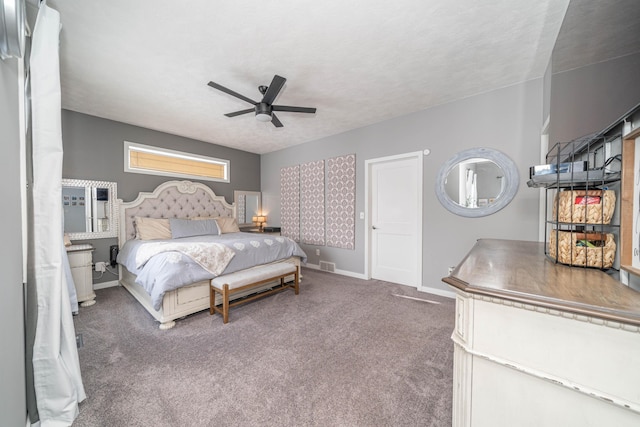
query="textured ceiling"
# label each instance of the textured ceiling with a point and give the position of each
(358, 62)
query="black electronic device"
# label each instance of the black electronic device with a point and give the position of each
(113, 254)
(560, 168)
(102, 194)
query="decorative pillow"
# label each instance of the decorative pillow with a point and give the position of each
(152, 228)
(188, 228)
(226, 224)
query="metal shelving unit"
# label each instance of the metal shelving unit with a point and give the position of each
(601, 152)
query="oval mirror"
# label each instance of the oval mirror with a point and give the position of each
(477, 182)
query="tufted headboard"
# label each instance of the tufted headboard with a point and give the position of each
(172, 199)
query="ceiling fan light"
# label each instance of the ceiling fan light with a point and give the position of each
(263, 117)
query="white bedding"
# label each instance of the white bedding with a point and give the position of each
(171, 269)
(211, 256)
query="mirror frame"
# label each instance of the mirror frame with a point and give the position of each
(237, 193)
(503, 199)
(112, 207)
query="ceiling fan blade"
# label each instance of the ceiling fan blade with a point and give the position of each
(237, 113)
(293, 109)
(277, 123)
(274, 89)
(232, 93)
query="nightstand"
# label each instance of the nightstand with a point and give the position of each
(81, 263)
(272, 230)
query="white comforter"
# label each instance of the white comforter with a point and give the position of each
(168, 269)
(211, 256)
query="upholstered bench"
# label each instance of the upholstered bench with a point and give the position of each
(246, 279)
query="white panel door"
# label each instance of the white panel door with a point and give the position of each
(395, 228)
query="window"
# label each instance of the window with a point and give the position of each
(146, 159)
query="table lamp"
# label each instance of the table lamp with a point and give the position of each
(260, 221)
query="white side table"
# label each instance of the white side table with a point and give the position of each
(81, 262)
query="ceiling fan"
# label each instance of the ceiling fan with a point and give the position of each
(265, 108)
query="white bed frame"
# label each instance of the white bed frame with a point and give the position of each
(176, 199)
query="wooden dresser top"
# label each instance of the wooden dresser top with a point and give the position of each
(519, 271)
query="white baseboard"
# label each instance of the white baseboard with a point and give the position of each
(340, 272)
(103, 285)
(433, 291)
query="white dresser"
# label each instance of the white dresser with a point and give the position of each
(542, 344)
(81, 262)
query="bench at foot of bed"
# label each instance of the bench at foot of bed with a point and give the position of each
(242, 280)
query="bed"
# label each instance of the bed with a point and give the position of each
(168, 280)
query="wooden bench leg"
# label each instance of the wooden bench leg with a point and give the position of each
(225, 292)
(225, 303)
(212, 300)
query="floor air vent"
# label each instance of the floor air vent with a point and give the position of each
(327, 266)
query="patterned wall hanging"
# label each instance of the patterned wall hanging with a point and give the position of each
(312, 203)
(241, 206)
(341, 201)
(290, 202)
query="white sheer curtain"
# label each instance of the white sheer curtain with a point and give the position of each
(471, 189)
(56, 368)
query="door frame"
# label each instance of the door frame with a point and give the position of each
(542, 214)
(368, 165)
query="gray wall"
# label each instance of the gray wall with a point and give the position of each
(589, 99)
(13, 406)
(94, 149)
(508, 120)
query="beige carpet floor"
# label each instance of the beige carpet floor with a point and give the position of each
(345, 352)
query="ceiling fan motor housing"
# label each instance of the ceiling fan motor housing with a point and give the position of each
(263, 112)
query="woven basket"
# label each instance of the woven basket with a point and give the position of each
(585, 207)
(571, 253)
